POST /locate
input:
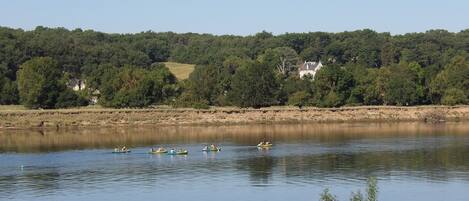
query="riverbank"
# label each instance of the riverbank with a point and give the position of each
(225, 116)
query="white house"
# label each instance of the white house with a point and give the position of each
(309, 68)
(76, 84)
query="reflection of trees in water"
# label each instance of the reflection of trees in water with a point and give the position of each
(8, 185)
(434, 164)
(260, 169)
(108, 137)
(44, 182)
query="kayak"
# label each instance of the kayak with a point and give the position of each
(158, 152)
(121, 151)
(212, 149)
(172, 152)
(264, 145)
(185, 152)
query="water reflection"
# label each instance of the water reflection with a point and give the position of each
(60, 164)
(332, 134)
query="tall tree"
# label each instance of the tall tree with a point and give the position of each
(254, 85)
(283, 59)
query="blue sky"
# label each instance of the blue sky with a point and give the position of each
(239, 17)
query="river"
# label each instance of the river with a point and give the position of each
(411, 161)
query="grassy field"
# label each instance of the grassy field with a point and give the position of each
(181, 71)
(12, 107)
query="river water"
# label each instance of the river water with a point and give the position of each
(411, 161)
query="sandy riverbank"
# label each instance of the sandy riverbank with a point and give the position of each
(121, 117)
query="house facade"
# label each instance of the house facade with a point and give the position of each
(309, 68)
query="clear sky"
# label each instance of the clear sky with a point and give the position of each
(239, 17)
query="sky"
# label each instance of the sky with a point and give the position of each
(237, 17)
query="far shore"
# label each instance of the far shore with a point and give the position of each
(19, 118)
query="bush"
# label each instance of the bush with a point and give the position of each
(69, 98)
(9, 93)
(299, 98)
(200, 106)
(40, 82)
(327, 196)
(454, 96)
(331, 100)
(135, 87)
(371, 190)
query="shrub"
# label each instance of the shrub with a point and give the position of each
(327, 196)
(69, 98)
(454, 96)
(331, 100)
(299, 98)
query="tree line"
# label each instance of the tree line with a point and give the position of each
(361, 67)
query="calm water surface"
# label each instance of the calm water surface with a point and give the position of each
(412, 161)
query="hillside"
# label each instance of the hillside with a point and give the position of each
(180, 70)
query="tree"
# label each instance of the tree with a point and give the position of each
(39, 82)
(299, 99)
(253, 85)
(454, 96)
(202, 83)
(402, 86)
(8, 88)
(283, 59)
(333, 86)
(136, 87)
(455, 75)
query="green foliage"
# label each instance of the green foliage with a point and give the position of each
(283, 59)
(136, 87)
(357, 196)
(8, 92)
(454, 96)
(254, 85)
(331, 100)
(372, 189)
(68, 98)
(327, 196)
(41, 85)
(362, 67)
(455, 75)
(299, 99)
(333, 86)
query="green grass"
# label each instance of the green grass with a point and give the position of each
(181, 71)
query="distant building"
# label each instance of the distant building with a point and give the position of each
(79, 85)
(310, 68)
(76, 84)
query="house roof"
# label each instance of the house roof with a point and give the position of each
(310, 65)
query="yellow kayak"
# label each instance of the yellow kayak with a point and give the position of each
(158, 151)
(264, 145)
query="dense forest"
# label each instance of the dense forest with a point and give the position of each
(125, 70)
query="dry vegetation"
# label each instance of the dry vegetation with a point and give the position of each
(181, 71)
(95, 116)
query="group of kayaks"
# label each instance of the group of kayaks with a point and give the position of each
(162, 150)
(206, 148)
